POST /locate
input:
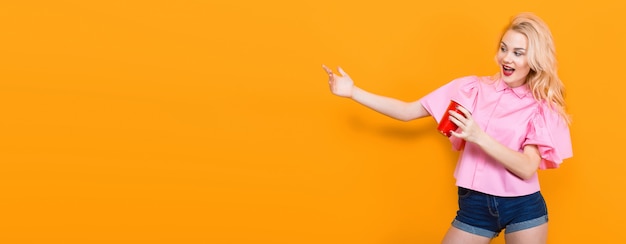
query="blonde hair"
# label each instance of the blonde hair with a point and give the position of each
(542, 79)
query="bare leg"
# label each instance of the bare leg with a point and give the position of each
(457, 236)
(535, 235)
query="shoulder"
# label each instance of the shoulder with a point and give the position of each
(549, 115)
(472, 83)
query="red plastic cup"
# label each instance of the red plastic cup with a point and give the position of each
(445, 125)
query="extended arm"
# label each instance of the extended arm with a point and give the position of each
(344, 86)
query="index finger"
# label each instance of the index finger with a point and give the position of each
(464, 111)
(329, 71)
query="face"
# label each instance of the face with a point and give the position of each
(512, 58)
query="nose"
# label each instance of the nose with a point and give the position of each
(508, 58)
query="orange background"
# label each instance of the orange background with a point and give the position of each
(211, 122)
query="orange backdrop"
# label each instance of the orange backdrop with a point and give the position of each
(211, 121)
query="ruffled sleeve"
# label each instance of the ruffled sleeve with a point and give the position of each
(463, 90)
(550, 133)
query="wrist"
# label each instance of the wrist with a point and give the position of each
(483, 139)
(354, 92)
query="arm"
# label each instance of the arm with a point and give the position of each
(400, 110)
(343, 86)
(523, 164)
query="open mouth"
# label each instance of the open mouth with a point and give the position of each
(507, 71)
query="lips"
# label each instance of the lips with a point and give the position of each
(507, 70)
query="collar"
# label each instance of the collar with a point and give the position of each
(520, 91)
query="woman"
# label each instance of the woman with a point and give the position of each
(510, 125)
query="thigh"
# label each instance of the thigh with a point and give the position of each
(519, 213)
(477, 214)
(454, 236)
(535, 235)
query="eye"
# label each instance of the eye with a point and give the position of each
(503, 49)
(517, 54)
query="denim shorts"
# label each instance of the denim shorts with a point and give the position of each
(487, 215)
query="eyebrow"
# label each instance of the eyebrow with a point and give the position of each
(517, 49)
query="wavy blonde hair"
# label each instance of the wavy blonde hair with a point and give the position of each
(542, 79)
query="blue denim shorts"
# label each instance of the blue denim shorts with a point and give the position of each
(487, 215)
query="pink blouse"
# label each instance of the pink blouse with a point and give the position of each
(511, 116)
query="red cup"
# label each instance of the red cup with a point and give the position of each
(445, 125)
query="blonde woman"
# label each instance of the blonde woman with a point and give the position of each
(509, 126)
